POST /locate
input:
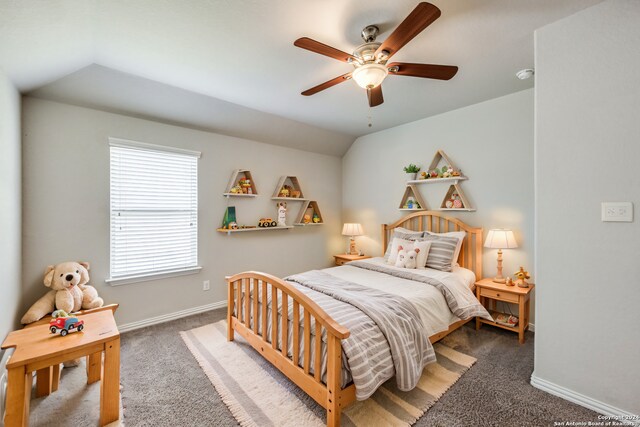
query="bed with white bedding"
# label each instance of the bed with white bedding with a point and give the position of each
(359, 324)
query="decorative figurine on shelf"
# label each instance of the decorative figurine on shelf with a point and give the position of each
(424, 175)
(245, 185)
(457, 202)
(229, 217)
(316, 218)
(266, 222)
(295, 194)
(522, 276)
(236, 190)
(306, 219)
(233, 225)
(282, 214)
(410, 203)
(285, 191)
(411, 171)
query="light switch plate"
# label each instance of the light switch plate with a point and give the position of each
(617, 212)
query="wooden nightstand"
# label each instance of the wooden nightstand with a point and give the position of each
(488, 292)
(345, 258)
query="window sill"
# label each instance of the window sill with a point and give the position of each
(153, 276)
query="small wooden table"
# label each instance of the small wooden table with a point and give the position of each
(37, 349)
(488, 290)
(345, 258)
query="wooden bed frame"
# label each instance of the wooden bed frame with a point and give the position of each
(331, 396)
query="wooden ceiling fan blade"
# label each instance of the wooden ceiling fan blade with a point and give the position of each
(420, 18)
(327, 84)
(427, 71)
(323, 49)
(375, 96)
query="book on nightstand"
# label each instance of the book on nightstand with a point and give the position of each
(505, 319)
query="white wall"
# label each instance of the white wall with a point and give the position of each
(66, 206)
(587, 151)
(10, 206)
(492, 142)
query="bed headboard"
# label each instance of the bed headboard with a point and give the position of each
(471, 251)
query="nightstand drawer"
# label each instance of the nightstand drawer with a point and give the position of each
(341, 261)
(501, 295)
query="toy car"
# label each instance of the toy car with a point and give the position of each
(266, 222)
(65, 325)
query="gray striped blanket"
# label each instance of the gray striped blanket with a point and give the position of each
(399, 341)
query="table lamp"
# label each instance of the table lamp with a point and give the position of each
(500, 238)
(352, 230)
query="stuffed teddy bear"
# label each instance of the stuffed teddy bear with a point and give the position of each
(69, 291)
(407, 259)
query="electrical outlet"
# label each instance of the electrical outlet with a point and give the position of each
(206, 285)
(617, 212)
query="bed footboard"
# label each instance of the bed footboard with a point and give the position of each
(249, 318)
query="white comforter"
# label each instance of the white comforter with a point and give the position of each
(429, 301)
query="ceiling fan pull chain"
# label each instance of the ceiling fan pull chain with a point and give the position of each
(369, 117)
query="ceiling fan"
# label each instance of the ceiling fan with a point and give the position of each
(370, 59)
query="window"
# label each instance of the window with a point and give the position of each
(154, 211)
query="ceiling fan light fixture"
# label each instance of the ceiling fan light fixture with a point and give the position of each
(370, 75)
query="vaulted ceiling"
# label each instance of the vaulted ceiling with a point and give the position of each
(242, 51)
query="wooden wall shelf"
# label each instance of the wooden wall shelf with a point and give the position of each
(455, 189)
(241, 230)
(454, 179)
(412, 191)
(236, 176)
(292, 182)
(310, 208)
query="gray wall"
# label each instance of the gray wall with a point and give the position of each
(10, 206)
(492, 142)
(66, 206)
(587, 152)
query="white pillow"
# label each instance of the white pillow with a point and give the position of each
(423, 254)
(395, 244)
(402, 233)
(458, 235)
(407, 245)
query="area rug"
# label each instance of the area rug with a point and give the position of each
(257, 394)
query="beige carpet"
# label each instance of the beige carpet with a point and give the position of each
(76, 403)
(256, 398)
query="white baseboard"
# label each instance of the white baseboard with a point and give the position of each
(582, 400)
(532, 327)
(170, 316)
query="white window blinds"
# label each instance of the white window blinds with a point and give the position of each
(154, 209)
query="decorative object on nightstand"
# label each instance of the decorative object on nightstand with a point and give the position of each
(522, 277)
(345, 258)
(500, 238)
(352, 230)
(488, 292)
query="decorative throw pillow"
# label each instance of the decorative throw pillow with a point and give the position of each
(460, 235)
(393, 249)
(424, 247)
(402, 233)
(441, 252)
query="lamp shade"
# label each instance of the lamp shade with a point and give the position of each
(352, 229)
(500, 238)
(368, 76)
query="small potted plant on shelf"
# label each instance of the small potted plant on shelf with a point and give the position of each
(412, 170)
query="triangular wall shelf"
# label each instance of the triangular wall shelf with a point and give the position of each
(246, 190)
(455, 200)
(412, 191)
(310, 208)
(293, 186)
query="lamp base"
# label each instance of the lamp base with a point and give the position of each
(352, 247)
(500, 280)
